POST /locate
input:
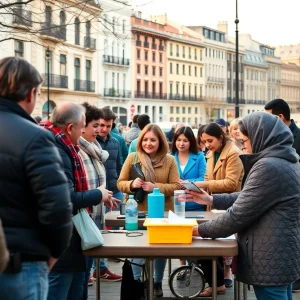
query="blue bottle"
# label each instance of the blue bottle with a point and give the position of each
(156, 204)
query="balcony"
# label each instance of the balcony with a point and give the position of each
(84, 85)
(22, 17)
(150, 95)
(138, 43)
(290, 82)
(116, 93)
(161, 48)
(116, 60)
(89, 43)
(56, 81)
(146, 44)
(246, 101)
(53, 30)
(183, 97)
(154, 46)
(215, 79)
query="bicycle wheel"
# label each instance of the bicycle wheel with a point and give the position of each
(183, 283)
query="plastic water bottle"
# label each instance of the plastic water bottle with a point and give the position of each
(156, 204)
(131, 214)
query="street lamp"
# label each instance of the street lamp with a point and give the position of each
(48, 58)
(237, 110)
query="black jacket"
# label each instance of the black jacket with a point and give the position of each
(35, 205)
(73, 259)
(296, 134)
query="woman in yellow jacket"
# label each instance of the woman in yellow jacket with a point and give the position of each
(160, 171)
(224, 173)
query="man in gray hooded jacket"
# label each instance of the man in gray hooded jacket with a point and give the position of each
(266, 213)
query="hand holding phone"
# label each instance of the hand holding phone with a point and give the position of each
(192, 187)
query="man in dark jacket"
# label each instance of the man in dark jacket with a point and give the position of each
(281, 109)
(67, 278)
(35, 206)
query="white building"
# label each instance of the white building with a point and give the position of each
(115, 65)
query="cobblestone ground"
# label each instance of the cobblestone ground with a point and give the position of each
(111, 290)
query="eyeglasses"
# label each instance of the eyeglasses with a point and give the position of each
(243, 141)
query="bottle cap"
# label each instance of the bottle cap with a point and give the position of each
(131, 197)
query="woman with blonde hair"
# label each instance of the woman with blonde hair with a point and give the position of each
(234, 132)
(160, 171)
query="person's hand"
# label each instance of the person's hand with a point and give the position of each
(195, 231)
(137, 183)
(51, 262)
(106, 194)
(200, 198)
(148, 186)
(112, 203)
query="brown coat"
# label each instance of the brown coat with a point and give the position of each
(3, 250)
(167, 180)
(226, 176)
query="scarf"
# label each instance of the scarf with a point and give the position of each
(80, 183)
(149, 164)
(93, 158)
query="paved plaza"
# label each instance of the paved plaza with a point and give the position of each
(111, 290)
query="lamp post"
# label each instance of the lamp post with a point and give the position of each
(237, 109)
(48, 58)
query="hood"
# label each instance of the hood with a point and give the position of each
(269, 137)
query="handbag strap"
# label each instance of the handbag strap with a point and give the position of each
(135, 158)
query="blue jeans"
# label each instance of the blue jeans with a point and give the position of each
(88, 265)
(66, 286)
(29, 284)
(282, 292)
(159, 268)
(102, 264)
(119, 196)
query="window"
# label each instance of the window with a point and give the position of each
(183, 110)
(88, 67)
(160, 109)
(153, 56)
(146, 55)
(139, 69)
(195, 53)
(183, 69)
(177, 50)
(160, 57)
(189, 110)
(160, 72)
(195, 71)
(177, 69)
(63, 64)
(190, 71)
(171, 68)
(62, 18)
(146, 109)
(200, 54)
(201, 75)
(153, 71)
(113, 24)
(171, 49)
(77, 73)
(48, 13)
(139, 110)
(138, 54)
(171, 110)
(196, 110)
(183, 51)
(77, 31)
(146, 70)
(88, 29)
(19, 49)
(190, 55)
(177, 110)
(124, 26)
(171, 88)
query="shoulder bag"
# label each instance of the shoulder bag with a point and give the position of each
(136, 172)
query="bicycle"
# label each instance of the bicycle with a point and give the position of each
(187, 281)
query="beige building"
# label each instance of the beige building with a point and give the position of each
(69, 30)
(289, 53)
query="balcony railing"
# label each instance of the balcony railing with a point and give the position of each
(183, 97)
(90, 42)
(138, 43)
(84, 85)
(161, 48)
(116, 60)
(117, 93)
(56, 81)
(54, 30)
(150, 95)
(215, 79)
(154, 46)
(289, 81)
(146, 44)
(246, 101)
(22, 17)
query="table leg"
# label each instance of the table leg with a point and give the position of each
(170, 266)
(245, 291)
(97, 278)
(150, 278)
(214, 278)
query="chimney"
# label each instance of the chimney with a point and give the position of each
(223, 26)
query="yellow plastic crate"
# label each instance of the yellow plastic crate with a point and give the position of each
(161, 232)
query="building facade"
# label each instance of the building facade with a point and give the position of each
(289, 54)
(60, 41)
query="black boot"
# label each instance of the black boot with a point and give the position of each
(158, 292)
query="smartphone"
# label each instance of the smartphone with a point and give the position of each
(195, 217)
(192, 187)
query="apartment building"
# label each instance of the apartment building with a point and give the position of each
(59, 40)
(149, 71)
(115, 65)
(289, 54)
(290, 86)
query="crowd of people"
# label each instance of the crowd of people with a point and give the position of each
(82, 159)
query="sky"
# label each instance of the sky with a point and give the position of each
(270, 22)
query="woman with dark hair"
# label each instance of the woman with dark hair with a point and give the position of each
(200, 143)
(160, 171)
(265, 214)
(190, 162)
(224, 173)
